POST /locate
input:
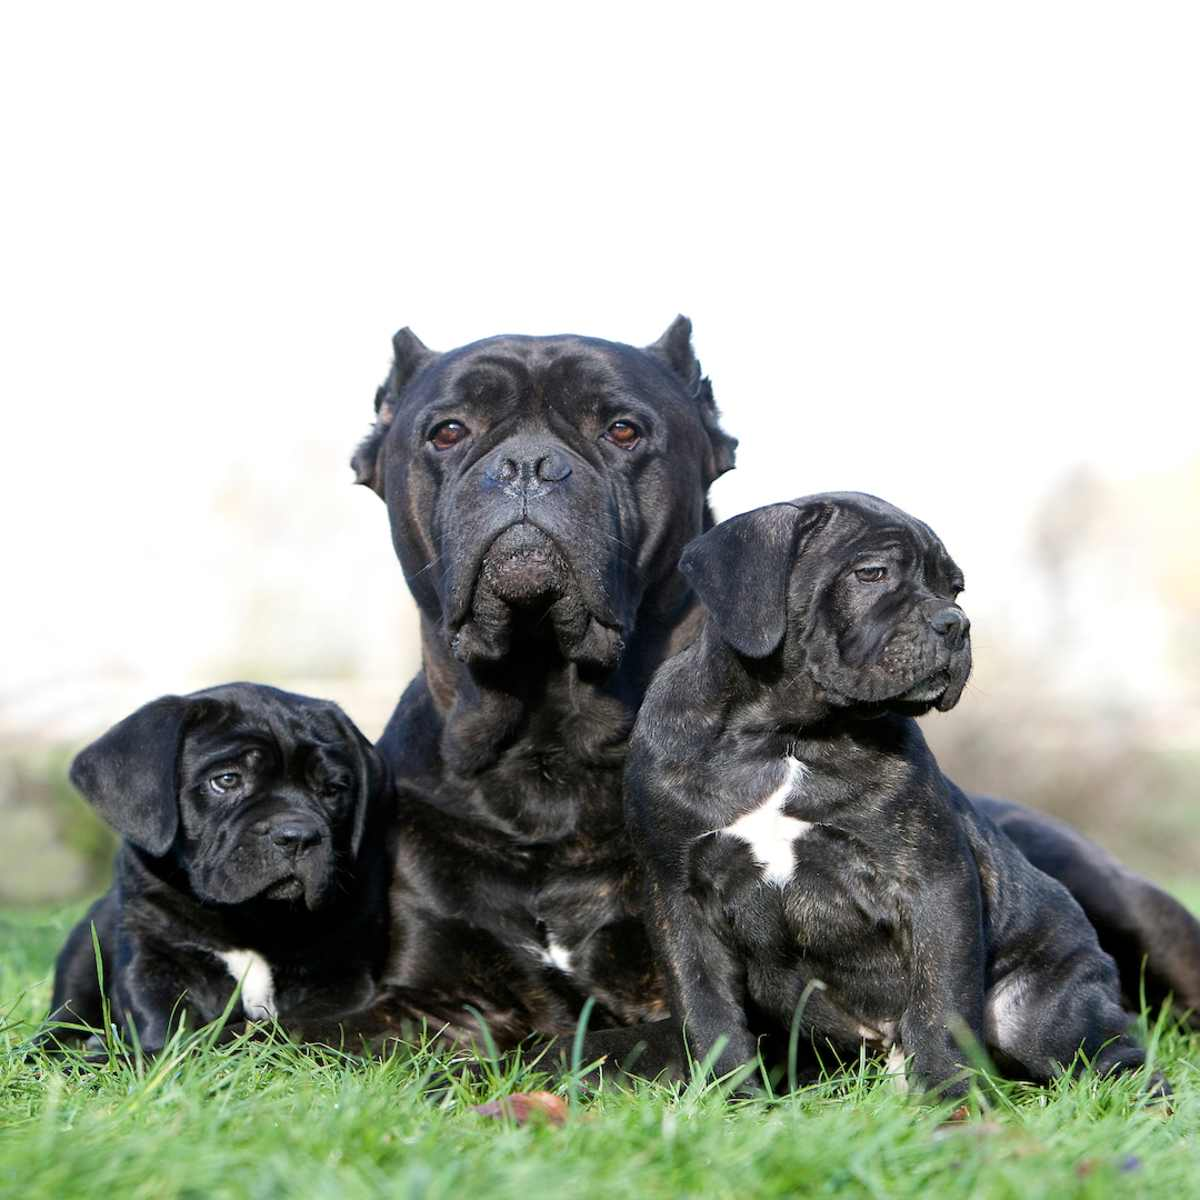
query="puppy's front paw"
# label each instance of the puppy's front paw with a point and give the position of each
(935, 1078)
(734, 1063)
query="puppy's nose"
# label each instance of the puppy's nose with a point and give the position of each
(295, 834)
(952, 624)
(527, 467)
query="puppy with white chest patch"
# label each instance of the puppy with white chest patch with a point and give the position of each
(254, 824)
(806, 859)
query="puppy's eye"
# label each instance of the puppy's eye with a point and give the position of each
(447, 434)
(227, 781)
(624, 434)
(871, 574)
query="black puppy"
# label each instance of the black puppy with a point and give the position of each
(254, 853)
(806, 859)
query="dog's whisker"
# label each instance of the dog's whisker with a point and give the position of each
(416, 575)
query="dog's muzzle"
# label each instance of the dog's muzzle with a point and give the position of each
(944, 686)
(523, 566)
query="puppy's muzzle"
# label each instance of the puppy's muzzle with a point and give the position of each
(292, 835)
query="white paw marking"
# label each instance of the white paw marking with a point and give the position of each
(253, 972)
(769, 833)
(896, 1069)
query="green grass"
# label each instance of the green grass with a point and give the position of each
(270, 1119)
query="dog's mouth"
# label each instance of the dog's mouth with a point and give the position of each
(289, 888)
(940, 688)
(524, 568)
(252, 871)
(926, 691)
(937, 687)
(916, 700)
(526, 590)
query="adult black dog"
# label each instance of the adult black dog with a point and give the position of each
(255, 852)
(805, 858)
(540, 491)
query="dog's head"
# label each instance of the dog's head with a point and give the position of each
(542, 484)
(253, 792)
(862, 597)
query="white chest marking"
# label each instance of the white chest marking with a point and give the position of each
(557, 956)
(769, 833)
(253, 972)
(553, 954)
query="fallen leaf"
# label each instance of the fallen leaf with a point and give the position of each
(523, 1107)
(958, 1128)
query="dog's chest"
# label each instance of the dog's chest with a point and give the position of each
(768, 830)
(254, 973)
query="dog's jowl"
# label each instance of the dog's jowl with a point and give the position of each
(254, 855)
(806, 860)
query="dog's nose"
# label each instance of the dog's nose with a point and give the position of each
(295, 834)
(526, 467)
(952, 624)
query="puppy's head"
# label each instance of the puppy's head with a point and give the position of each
(862, 597)
(253, 792)
(542, 486)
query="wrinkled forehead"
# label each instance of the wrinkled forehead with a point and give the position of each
(867, 525)
(566, 373)
(242, 716)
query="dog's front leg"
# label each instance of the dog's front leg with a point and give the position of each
(944, 1012)
(706, 979)
(153, 996)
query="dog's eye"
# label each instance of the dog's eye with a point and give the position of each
(624, 434)
(871, 574)
(447, 434)
(225, 782)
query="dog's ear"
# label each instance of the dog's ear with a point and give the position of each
(373, 781)
(740, 570)
(130, 774)
(409, 355)
(674, 349)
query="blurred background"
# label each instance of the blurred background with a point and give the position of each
(944, 253)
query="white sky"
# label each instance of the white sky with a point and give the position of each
(937, 251)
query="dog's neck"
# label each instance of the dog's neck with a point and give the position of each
(771, 695)
(774, 706)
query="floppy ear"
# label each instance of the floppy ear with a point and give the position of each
(129, 774)
(740, 571)
(674, 349)
(409, 354)
(373, 781)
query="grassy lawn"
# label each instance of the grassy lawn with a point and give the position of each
(268, 1119)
